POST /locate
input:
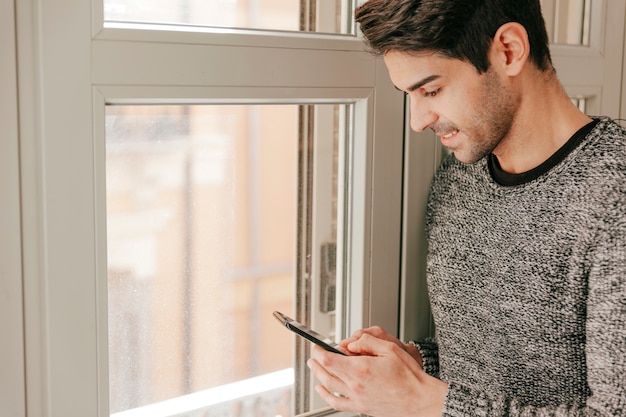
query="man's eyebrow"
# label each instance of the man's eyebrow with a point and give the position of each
(421, 83)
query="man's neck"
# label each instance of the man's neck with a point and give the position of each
(545, 121)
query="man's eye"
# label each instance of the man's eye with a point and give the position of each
(432, 93)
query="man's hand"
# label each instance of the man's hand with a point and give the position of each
(379, 333)
(380, 378)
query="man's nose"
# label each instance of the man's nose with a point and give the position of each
(421, 115)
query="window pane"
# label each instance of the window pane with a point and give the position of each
(327, 16)
(567, 21)
(580, 102)
(202, 212)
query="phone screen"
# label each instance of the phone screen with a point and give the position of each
(311, 335)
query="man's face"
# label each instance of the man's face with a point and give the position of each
(471, 113)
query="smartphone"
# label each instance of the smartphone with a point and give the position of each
(311, 335)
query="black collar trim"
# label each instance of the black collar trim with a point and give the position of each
(506, 179)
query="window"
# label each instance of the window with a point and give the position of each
(579, 43)
(567, 21)
(202, 212)
(159, 185)
(328, 16)
(12, 378)
(245, 203)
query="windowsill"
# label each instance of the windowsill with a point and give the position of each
(241, 391)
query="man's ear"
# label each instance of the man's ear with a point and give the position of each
(510, 48)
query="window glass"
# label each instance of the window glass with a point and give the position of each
(328, 16)
(567, 21)
(581, 103)
(205, 204)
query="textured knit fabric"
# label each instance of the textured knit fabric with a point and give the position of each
(528, 284)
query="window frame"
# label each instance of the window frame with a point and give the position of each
(70, 69)
(597, 77)
(12, 376)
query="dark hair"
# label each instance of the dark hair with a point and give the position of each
(461, 29)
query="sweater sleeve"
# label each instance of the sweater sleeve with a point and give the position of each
(605, 347)
(429, 351)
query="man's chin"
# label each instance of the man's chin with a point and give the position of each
(468, 157)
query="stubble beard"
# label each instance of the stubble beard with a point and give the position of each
(492, 121)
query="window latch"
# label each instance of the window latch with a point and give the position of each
(328, 276)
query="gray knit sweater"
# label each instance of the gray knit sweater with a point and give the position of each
(528, 282)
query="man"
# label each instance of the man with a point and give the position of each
(526, 224)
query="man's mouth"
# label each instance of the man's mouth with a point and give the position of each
(450, 139)
(449, 135)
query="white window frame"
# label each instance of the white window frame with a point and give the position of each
(594, 72)
(70, 66)
(12, 392)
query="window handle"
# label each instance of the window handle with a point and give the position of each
(328, 276)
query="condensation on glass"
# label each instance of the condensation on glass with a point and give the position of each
(323, 16)
(567, 21)
(205, 205)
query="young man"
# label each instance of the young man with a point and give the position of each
(526, 226)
